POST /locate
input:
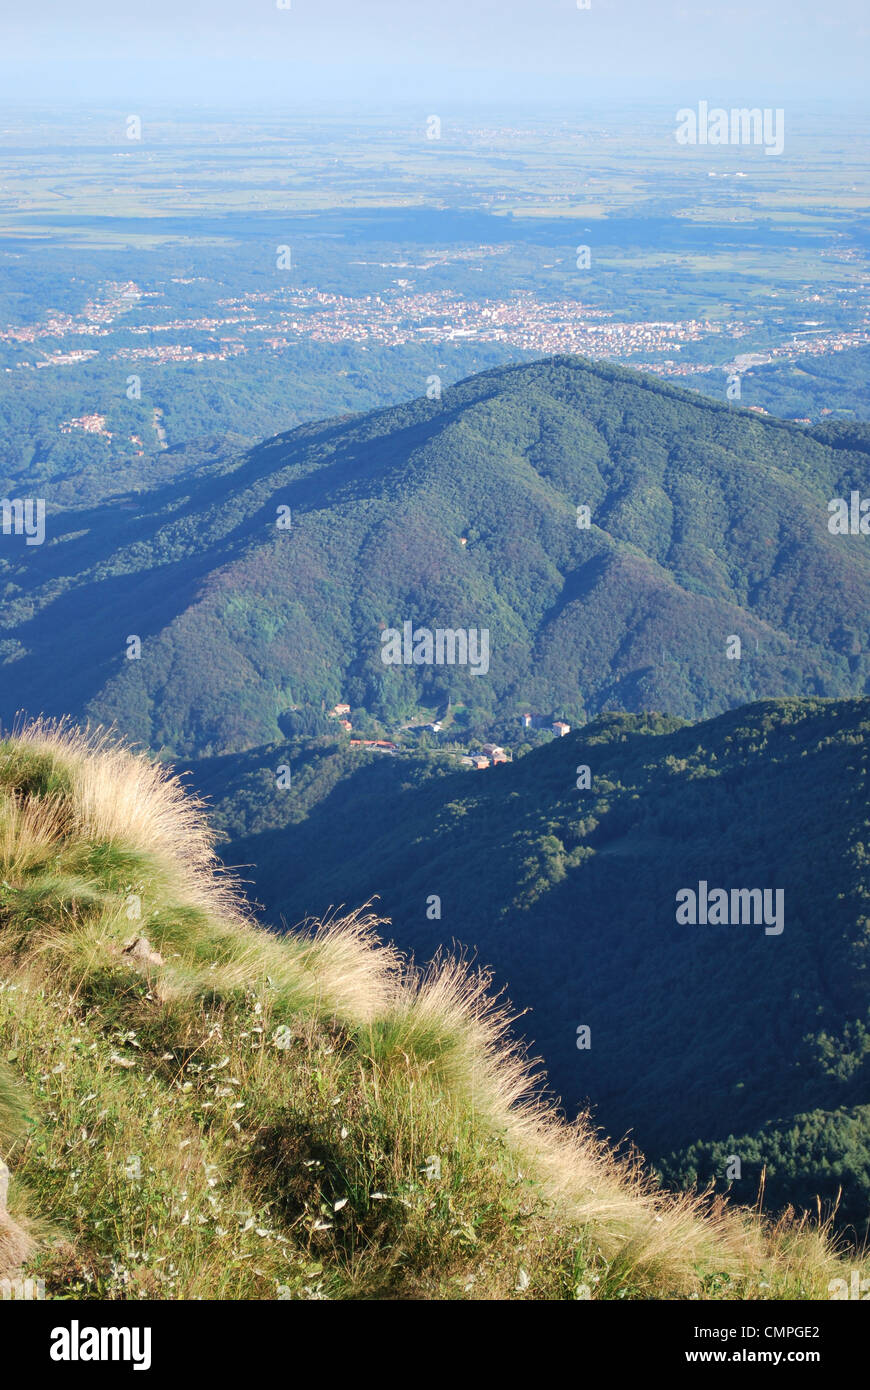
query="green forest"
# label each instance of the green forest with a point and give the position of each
(698, 1033)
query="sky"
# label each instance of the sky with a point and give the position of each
(324, 54)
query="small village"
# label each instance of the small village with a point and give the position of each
(488, 755)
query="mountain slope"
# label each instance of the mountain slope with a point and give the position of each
(571, 894)
(706, 522)
(207, 1111)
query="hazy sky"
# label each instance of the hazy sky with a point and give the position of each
(321, 53)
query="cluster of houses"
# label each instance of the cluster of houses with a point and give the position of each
(490, 754)
(340, 712)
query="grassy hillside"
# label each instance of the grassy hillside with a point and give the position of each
(192, 1107)
(707, 521)
(698, 1032)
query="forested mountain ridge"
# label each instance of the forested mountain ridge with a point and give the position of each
(706, 522)
(698, 1031)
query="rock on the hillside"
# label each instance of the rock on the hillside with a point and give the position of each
(140, 949)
